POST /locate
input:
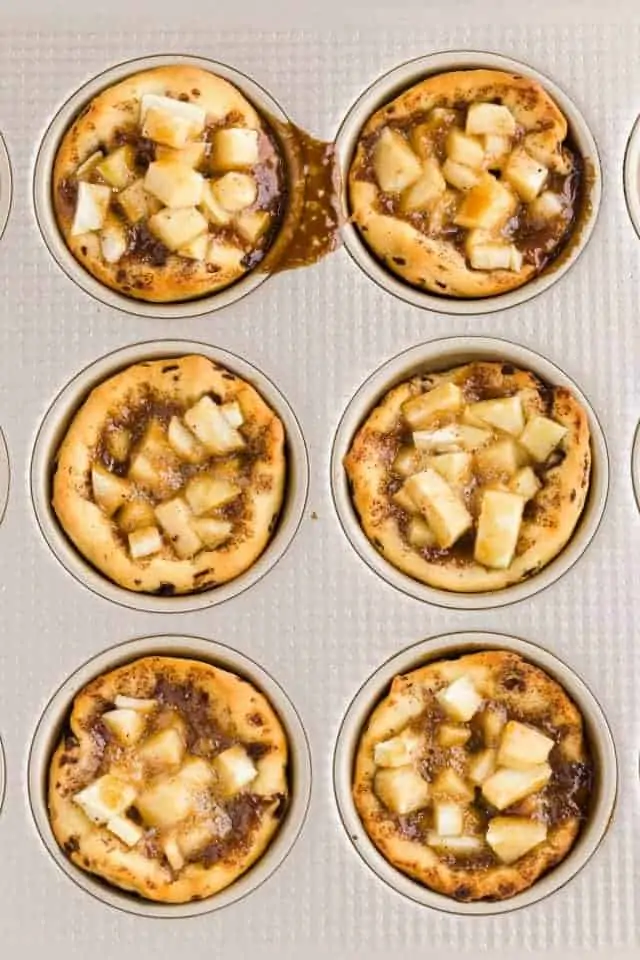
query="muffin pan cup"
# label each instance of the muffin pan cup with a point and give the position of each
(443, 355)
(52, 432)
(597, 733)
(52, 722)
(400, 78)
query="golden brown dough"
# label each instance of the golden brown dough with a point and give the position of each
(383, 458)
(130, 465)
(193, 202)
(460, 203)
(509, 689)
(195, 829)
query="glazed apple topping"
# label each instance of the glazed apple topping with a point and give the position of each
(178, 486)
(179, 184)
(467, 779)
(503, 195)
(156, 795)
(467, 470)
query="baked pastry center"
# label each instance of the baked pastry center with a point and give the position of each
(171, 476)
(472, 479)
(473, 775)
(169, 185)
(464, 184)
(171, 780)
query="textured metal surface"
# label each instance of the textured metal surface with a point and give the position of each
(320, 622)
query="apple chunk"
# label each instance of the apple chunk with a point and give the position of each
(401, 789)
(445, 398)
(523, 746)
(126, 830)
(526, 175)
(445, 513)
(106, 797)
(498, 528)
(174, 184)
(505, 414)
(183, 442)
(481, 766)
(454, 467)
(395, 164)
(448, 819)
(511, 837)
(175, 228)
(525, 483)
(419, 534)
(453, 437)
(460, 700)
(464, 149)
(427, 188)
(455, 846)
(398, 751)
(490, 118)
(205, 493)
(235, 769)
(117, 168)
(487, 206)
(541, 436)
(92, 205)
(506, 787)
(144, 542)
(169, 121)
(460, 176)
(126, 724)
(234, 148)
(499, 459)
(212, 532)
(110, 492)
(175, 517)
(136, 203)
(163, 750)
(450, 735)
(206, 420)
(235, 191)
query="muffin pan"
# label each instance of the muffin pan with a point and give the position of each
(315, 613)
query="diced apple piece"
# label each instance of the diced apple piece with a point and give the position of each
(525, 483)
(401, 789)
(487, 206)
(456, 846)
(523, 746)
(196, 249)
(233, 412)
(194, 837)
(235, 768)
(175, 228)
(408, 460)
(445, 398)
(225, 256)
(205, 493)
(492, 721)
(448, 783)
(92, 206)
(174, 184)
(86, 169)
(126, 830)
(235, 191)
(421, 136)
(511, 837)
(481, 766)
(197, 773)
(526, 175)
(420, 534)
(117, 167)
(136, 203)
(464, 149)
(109, 491)
(427, 188)
(106, 797)
(212, 208)
(398, 751)
(175, 517)
(541, 436)
(169, 121)
(543, 146)
(234, 148)
(191, 155)
(452, 438)
(212, 532)
(460, 700)
(164, 750)
(492, 118)
(459, 176)
(496, 150)
(490, 256)
(402, 499)
(144, 542)
(135, 515)
(212, 428)
(501, 458)
(395, 164)
(546, 207)
(445, 513)
(448, 819)
(113, 240)
(454, 467)
(184, 443)
(450, 735)
(506, 787)
(505, 413)
(252, 224)
(498, 528)
(126, 724)
(141, 704)
(166, 803)
(173, 854)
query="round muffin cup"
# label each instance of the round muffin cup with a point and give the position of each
(43, 202)
(451, 646)
(389, 86)
(6, 186)
(56, 423)
(443, 355)
(47, 736)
